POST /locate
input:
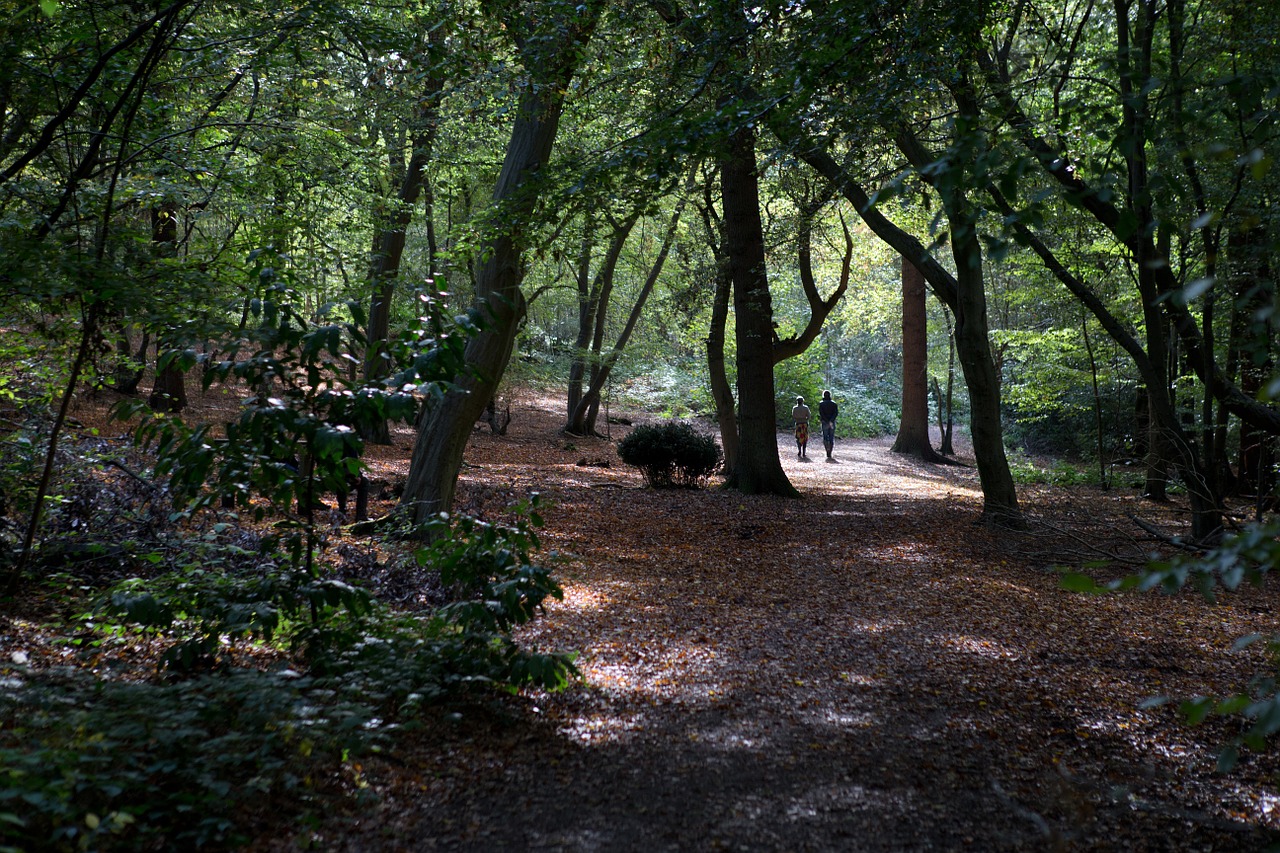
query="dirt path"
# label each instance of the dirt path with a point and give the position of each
(862, 669)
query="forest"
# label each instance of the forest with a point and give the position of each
(397, 442)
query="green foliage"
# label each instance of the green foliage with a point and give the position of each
(671, 454)
(796, 377)
(298, 433)
(863, 413)
(1059, 473)
(93, 764)
(672, 386)
(403, 661)
(112, 765)
(1245, 557)
(213, 610)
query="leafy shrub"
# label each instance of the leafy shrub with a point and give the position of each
(671, 454)
(112, 765)
(1060, 473)
(115, 765)
(211, 610)
(405, 660)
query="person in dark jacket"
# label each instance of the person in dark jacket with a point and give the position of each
(827, 411)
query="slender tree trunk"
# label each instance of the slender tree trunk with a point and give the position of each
(946, 429)
(389, 239)
(593, 311)
(1000, 498)
(1254, 293)
(587, 298)
(999, 495)
(589, 406)
(758, 469)
(1097, 404)
(169, 393)
(721, 389)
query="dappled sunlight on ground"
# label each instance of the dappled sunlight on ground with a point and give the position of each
(862, 668)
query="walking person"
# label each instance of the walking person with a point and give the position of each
(827, 411)
(801, 414)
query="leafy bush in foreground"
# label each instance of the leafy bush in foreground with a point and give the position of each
(671, 454)
(92, 764)
(99, 765)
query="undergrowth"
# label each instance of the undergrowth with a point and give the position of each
(214, 672)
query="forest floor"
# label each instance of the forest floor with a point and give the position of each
(865, 668)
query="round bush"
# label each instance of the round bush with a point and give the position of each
(671, 454)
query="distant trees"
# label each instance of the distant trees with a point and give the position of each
(1172, 178)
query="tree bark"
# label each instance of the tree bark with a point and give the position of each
(443, 429)
(758, 469)
(721, 389)
(913, 429)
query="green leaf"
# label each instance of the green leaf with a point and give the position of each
(1196, 710)
(1076, 582)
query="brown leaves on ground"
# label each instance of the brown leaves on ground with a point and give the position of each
(860, 669)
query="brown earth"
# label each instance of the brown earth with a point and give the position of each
(864, 668)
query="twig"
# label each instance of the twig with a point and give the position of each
(135, 475)
(1089, 547)
(1161, 536)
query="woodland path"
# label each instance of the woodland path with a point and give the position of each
(860, 669)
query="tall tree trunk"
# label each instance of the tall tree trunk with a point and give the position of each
(999, 495)
(944, 398)
(913, 429)
(721, 388)
(758, 469)
(444, 428)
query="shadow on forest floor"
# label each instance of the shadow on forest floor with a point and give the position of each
(861, 669)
